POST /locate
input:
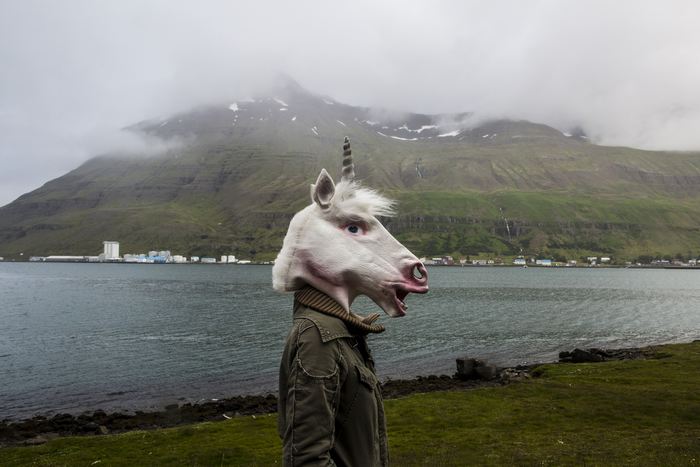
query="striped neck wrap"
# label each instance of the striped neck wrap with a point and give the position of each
(321, 302)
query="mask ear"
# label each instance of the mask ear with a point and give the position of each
(323, 190)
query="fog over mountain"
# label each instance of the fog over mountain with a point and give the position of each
(76, 72)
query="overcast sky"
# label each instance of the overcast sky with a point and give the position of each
(73, 72)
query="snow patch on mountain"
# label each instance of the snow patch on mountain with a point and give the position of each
(419, 130)
(403, 139)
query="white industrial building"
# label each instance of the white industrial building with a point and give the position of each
(111, 250)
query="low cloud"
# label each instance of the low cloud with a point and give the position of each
(76, 71)
(128, 143)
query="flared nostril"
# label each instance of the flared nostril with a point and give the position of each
(416, 273)
(420, 274)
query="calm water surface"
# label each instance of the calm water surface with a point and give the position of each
(77, 337)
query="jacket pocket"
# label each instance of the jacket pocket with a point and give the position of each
(318, 373)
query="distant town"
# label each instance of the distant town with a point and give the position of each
(111, 254)
(522, 261)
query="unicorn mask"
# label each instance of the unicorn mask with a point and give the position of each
(337, 245)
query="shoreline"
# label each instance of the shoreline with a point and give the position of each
(471, 374)
(268, 263)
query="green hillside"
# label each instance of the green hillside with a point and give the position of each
(238, 175)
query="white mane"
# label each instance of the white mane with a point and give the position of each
(352, 199)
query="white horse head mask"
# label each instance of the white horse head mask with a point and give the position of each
(338, 246)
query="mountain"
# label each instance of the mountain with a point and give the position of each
(242, 169)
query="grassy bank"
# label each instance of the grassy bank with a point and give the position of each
(643, 412)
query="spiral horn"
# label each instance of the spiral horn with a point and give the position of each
(348, 166)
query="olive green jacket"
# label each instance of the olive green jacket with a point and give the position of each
(330, 404)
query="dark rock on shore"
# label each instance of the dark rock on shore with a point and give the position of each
(472, 368)
(580, 356)
(593, 355)
(399, 388)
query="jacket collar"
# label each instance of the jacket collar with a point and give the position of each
(329, 327)
(317, 300)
